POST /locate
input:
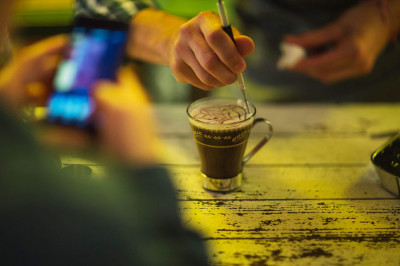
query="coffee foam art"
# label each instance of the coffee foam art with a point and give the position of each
(220, 116)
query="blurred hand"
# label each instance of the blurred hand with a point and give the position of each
(358, 37)
(205, 56)
(125, 121)
(28, 76)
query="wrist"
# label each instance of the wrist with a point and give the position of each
(171, 44)
(153, 33)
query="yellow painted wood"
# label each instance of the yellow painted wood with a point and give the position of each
(321, 232)
(181, 150)
(295, 219)
(268, 182)
(281, 150)
(319, 252)
(311, 197)
(303, 118)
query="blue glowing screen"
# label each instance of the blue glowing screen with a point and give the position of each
(94, 54)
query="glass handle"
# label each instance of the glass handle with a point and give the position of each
(263, 141)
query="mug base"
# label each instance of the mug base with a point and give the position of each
(222, 185)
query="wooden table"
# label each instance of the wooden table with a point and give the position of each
(311, 196)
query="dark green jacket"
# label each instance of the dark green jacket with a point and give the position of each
(129, 218)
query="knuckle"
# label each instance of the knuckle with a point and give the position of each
(210, 61)
(207, 79)
(205, 14)
(179, 46)
(185, 29)
(177, 67)
(215, 36)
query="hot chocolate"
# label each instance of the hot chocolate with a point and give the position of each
(221, 132)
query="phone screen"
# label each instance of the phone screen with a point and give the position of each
(95, 52)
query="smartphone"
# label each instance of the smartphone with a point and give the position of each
(95, 52)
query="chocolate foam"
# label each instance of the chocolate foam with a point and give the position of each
(220, 114)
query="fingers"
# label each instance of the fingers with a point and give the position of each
(184, 74)
(220, 42)
(324, 60)
(347, 60)
(31, 70)
(205, 56)
(104, 93)
(203, 75)
(317, 38)
(39, 90)
(127, 92)
(48, 47)
(39, 60)
(205, 62)
(124, 119)
(244, 45)
(129, 80)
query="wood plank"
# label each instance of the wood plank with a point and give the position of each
(310, 197)
(311, 118)
(287, 183)
(181, 150)
(298, 150)
(304, 134)
(321, 232)
(311, 220)
(295, 220)
(372, 251)
(282, 183)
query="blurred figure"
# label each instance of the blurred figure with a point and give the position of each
(129, 217)
(349, 56)
(352, 49)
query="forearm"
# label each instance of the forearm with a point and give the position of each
(152, 34)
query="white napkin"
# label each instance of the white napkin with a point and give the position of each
(291, 55)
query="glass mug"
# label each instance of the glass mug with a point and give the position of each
(221, 144)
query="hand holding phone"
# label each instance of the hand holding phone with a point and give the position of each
(95, 52)
(27, 77)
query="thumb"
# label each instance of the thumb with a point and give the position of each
(129, 79)
(126, 95)
(106, 94)
(318, 37)
(245, 45)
